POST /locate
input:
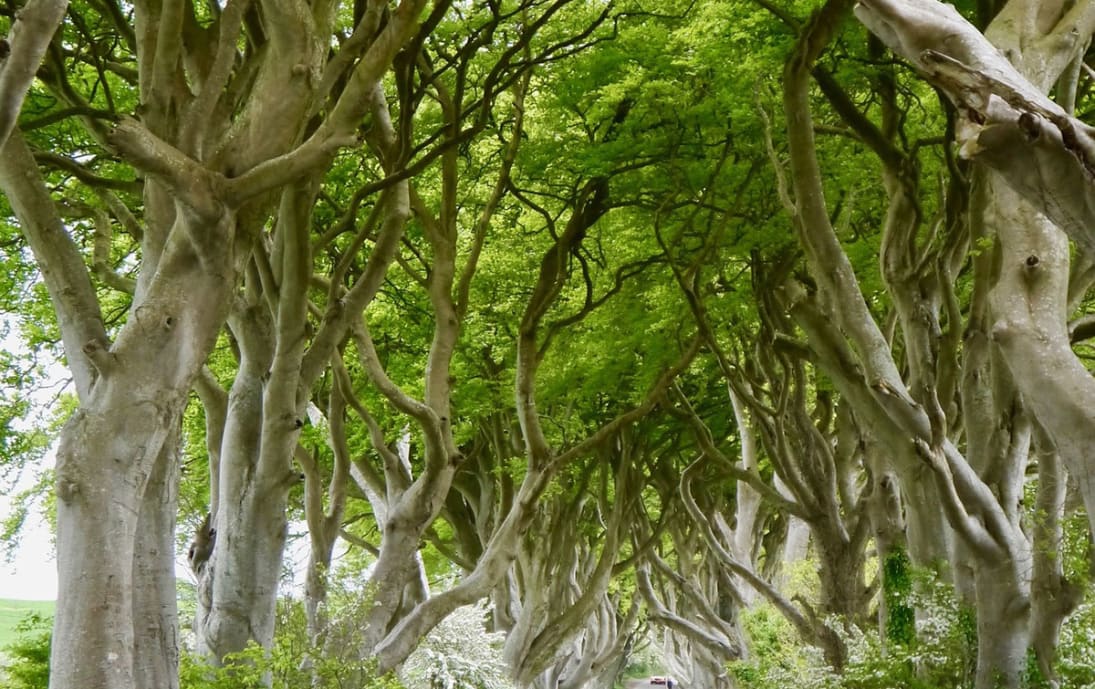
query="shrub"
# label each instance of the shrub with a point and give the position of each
(292, 663)
(459, 654)
(27, 658)
(939, 656)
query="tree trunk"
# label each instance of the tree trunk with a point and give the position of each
(238, 584)
(155, 614)
(1003, 631)
(94, 644)
(1053, 597)
(244, 572)
(115, 624)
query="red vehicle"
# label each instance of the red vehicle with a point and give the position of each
(667, 682)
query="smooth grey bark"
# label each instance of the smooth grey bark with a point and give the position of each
(999, 82)
(695, 604)
(267, 410)
(156, 654)
(596, 654)
(280, 363)
(1053, 597)
(815, 465)
(196, 231)
(324, 521)
(747, 501)
(1041, 40)
(984, 515)
(716, 537)
(884, 508)
(1040, 158)
(409, 504)
(115, 461)
(998, 437)
(858, 356)
(565, 577)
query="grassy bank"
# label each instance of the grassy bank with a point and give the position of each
(12, 611)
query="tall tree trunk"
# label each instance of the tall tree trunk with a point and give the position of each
(155, 614)
(235, 587)
(99, 486)
(115, 623)
(1052, 596)
(266, 414)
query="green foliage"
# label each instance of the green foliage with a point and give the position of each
(641, 663)
(26, 660)
(293, 662)
(254, 668)
(13, 613)
(1077, 647)
(778, 658)
(939, 657)
(31, 414)
(897, 587)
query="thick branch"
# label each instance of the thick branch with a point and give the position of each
(58, 258)
(191, 183)
(1002, 111)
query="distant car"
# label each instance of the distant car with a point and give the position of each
(664, 681)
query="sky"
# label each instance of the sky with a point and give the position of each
(32, 575)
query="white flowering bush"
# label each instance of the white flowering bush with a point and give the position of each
(458, 654)
(1077, 648)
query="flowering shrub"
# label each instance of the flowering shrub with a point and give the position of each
(1077, 648)
(458, 654)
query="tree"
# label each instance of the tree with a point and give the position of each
(218, 137)
(540, 303)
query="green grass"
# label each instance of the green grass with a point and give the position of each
(13, 611)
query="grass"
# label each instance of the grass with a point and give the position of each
(13, 611)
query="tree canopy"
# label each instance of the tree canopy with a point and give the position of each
(720, 326)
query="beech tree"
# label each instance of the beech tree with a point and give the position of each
(979, 485)
(542, 297)
(219, 238)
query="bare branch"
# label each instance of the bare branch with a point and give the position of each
(192, 184)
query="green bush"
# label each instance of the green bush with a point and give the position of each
(292, 663)
(937, 657)
(26, 660)
(253, 668)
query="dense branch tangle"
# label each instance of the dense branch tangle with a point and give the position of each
(389, 246)
(240, 111)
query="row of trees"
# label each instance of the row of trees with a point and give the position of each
(595, 310)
